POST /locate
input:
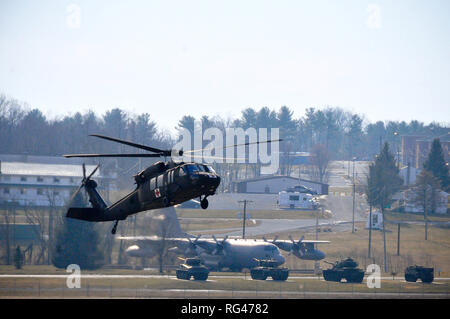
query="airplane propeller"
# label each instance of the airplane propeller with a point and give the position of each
(192, 244)
(297, 248)
(273, 241)
(220, 245)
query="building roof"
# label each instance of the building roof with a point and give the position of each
(442, 138)
(257, 179)
(25, 158)
(38, 169)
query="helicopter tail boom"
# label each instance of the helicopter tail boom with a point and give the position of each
(88, 214)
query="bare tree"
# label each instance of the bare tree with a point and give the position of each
(37, 217)
(165, 227)
(426, 195)
(320, 160)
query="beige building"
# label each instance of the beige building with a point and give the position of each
(415, 148)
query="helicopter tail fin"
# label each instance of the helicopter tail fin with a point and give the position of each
(88, 214)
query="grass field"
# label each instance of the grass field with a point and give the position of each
(434, 252)
(414, 249)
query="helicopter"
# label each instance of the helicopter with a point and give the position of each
(163, 184)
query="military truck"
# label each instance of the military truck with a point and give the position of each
(345, 269)
(192, 267)
(269, 267)
(412, 273)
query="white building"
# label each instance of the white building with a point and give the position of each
(37, 184)
(377, 220)
(412, 205)
(409, 175)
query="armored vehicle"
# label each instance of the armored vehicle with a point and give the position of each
(192, 267)
(347, 269)
(412, 273)
(269, 267)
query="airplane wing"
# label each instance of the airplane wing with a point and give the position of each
(314, 241)
(290, 244)
(146, 241)
(181, 242)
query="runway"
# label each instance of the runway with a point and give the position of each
(242, 276)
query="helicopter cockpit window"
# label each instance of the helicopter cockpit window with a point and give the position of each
(191, 168)
(210, 169)
(182, 171)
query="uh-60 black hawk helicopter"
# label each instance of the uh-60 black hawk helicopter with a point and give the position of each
(160, 185)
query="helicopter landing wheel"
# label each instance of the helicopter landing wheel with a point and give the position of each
(114, 229)
(204, 203)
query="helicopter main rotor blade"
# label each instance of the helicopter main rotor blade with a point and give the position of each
(75, 194)
(93, 172)
(235, 145)
(112, 155)
(143, 147)
(217, 157)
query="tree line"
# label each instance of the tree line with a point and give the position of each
(344, 134)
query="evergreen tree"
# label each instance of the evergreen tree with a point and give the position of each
(383, 182)
(77, 242)
(384, 179)
(18, 258)
(437, 166)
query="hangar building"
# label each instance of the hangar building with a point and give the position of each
(275, 184)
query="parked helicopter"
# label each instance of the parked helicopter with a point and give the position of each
(160, 185)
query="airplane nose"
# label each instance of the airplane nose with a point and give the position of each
(319, 255)
(280, 259)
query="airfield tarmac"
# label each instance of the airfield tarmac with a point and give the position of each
(230, 285)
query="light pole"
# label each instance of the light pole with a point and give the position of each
(396, 134)
(245, 201)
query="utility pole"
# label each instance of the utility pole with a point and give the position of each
(425, 213)
(370, 230)
(317, 223)
(245, 201)
(398, 239)
(353, 206)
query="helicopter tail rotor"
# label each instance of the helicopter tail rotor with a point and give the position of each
(84, 181)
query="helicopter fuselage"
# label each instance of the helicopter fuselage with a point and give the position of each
(166, 185)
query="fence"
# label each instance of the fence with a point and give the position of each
(168, 286)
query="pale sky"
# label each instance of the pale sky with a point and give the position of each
(386, 60)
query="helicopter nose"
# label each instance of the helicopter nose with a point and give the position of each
(210, 180)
